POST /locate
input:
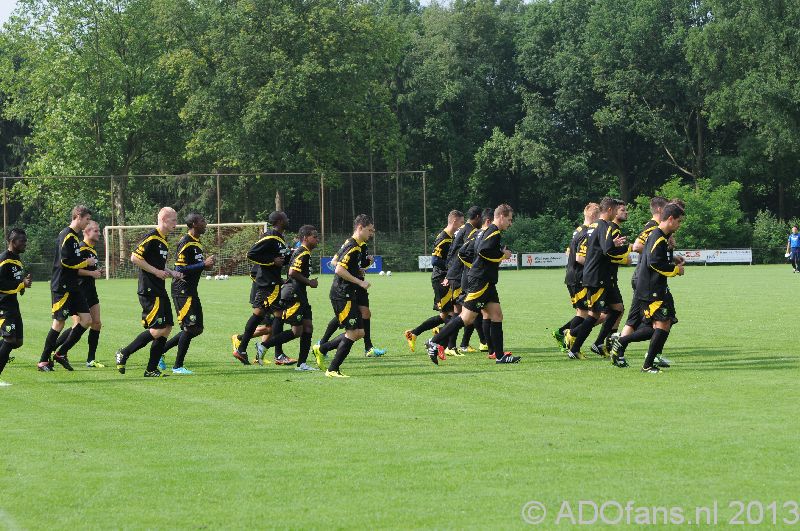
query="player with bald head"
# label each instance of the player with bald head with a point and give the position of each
(150, 256)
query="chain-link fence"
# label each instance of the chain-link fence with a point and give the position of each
(396, 201)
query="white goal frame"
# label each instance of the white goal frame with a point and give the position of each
(109, 228)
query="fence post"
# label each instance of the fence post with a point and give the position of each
(5, 208)
(219, 233)
(425, 209)
(322, 209)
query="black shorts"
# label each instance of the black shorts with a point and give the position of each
(268, 298)
(601, 299)
(11, 324)
(578, 296)
(635, 316)
(362, 297)
(659, 310)
(347, 313)
(90, 294)
(478, 296)
(68, 303)
(457, 292)
(442, 297)
(188, 308)
(156, 311)
(295, 302)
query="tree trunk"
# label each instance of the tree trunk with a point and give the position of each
(397, 192)
(700, 158)
(278, 200)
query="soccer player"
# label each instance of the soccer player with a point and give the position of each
(344, 296)
(481, 289)
(442, 290)
(576, 256)
(269, 255)
(13, 281)
(295, 299)
(150, 256)
(606, 248)
(633, 329)
(455, 270)
(466, 255)
(793, 249)
(86, 283)
(191, 263)
(658, 306)
(67, 297)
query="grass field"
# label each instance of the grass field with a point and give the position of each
(405, 444)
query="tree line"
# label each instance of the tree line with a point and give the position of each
(544, 104)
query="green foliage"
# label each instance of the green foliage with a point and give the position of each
(769, 237)
(714, 218)
(543, 234)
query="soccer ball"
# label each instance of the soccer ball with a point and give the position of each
(388, 273)
(382, 273)
(217, 277)
(208, 277)
(225, 277)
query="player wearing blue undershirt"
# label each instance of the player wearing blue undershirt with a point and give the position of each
(793, 248)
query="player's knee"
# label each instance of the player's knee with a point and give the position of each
(308, 329)
(355, 335)
(258, 312)
(85, 321)
(96, 324)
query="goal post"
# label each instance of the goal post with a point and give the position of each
(229, 242)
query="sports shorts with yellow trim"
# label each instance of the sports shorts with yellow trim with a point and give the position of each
(479, 295)
(188, 308)
(156, 311)
(68, 303)
(11, 324)
(348, 314)
(659, 310)
(578, 296)
(458, 293)
(268, 298)
(442, 296)
(601, 299)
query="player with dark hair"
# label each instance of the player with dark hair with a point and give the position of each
(576, 256)
(658, 306)
(481, 289)
(606, 249)
(455, 271)
(150, 256)
(13, 281)
(269, 254)
(345, 298)
(67, 297)
(442, 291)
(86, 283)
(633, 329)
(295, 299)
(467, 255)
(191, 262)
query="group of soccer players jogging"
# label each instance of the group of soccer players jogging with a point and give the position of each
(466, 260)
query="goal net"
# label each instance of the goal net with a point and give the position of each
(229, 242)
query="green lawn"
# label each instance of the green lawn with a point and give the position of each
(405, 444)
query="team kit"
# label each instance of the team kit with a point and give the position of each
(466, 260)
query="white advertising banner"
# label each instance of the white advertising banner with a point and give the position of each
(424, 262)
(544, 260)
